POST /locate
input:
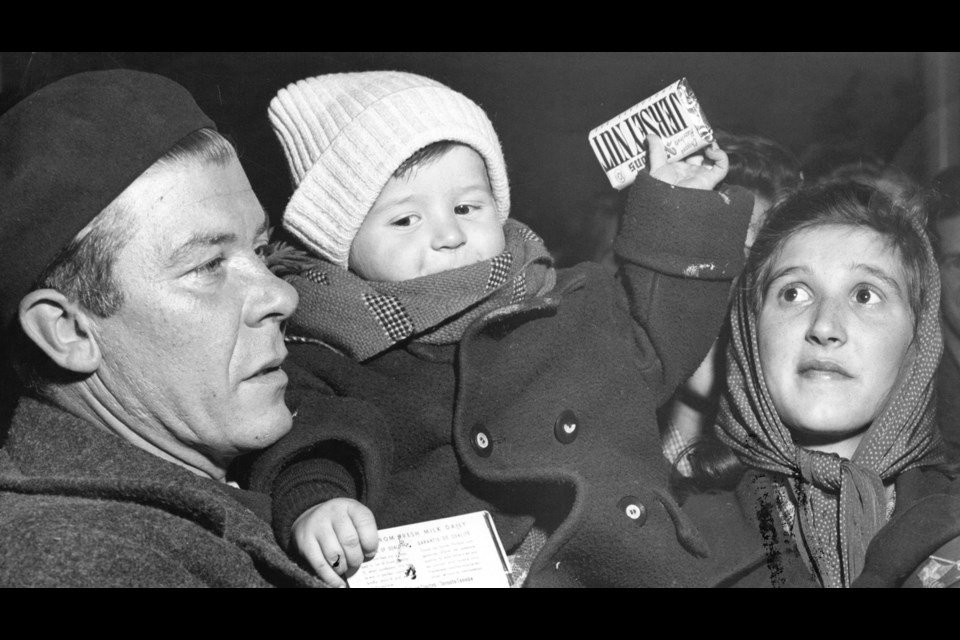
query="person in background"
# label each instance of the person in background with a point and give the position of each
(824, 162)
(944, 227)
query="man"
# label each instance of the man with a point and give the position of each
(148, 335)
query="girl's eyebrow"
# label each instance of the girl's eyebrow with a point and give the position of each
(787, 271)
(874, 271)
(881, 275)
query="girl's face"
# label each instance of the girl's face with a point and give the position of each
(834, 333)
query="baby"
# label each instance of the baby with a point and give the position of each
(452, 369)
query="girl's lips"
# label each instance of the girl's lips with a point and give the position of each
(824, 368)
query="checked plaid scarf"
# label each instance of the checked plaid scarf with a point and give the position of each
(364, 318)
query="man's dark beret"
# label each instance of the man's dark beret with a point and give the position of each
(70, 149)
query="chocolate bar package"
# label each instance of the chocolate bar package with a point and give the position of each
(672, 113)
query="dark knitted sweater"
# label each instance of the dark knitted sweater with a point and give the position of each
(80, 507)
(752, 547)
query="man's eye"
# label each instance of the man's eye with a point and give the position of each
(211, 266)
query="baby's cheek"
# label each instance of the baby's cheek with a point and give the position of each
(500, 242)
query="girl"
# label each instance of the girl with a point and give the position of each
(828, 402)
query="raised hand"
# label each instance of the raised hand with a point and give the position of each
(698, 171)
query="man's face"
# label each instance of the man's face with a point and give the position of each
(192, 357)
(440, 216)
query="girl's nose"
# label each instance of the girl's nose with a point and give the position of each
(827, 327)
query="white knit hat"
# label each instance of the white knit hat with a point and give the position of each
(344, 134)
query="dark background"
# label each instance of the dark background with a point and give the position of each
(544, 104)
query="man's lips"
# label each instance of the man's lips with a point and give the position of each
(825, 368)
(269, 367)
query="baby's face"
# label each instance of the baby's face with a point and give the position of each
(439, 216)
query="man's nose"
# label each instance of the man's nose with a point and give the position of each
(273, 298)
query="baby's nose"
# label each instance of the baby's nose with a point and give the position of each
(447, 233)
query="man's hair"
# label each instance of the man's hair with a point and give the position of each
(887, 177)
(760, 165)
(83, 270)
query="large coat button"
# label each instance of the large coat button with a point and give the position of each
(480, 439)
(633, 509)
(566, 427)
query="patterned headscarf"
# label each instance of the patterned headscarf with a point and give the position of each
(840, 503)
(363, 318)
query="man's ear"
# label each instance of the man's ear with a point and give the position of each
(61, 328)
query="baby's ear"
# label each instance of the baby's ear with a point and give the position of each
(61, 328)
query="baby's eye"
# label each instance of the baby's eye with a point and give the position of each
(262, 252)
(405, 221)
(462, 209)
(865, 295)
(793, 293)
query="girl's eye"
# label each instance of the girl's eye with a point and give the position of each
(462, 209)
(866, 296)
(794, 294)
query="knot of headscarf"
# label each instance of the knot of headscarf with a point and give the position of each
(840, 503)
(824, 470)
(861, 511)
(363, 318)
